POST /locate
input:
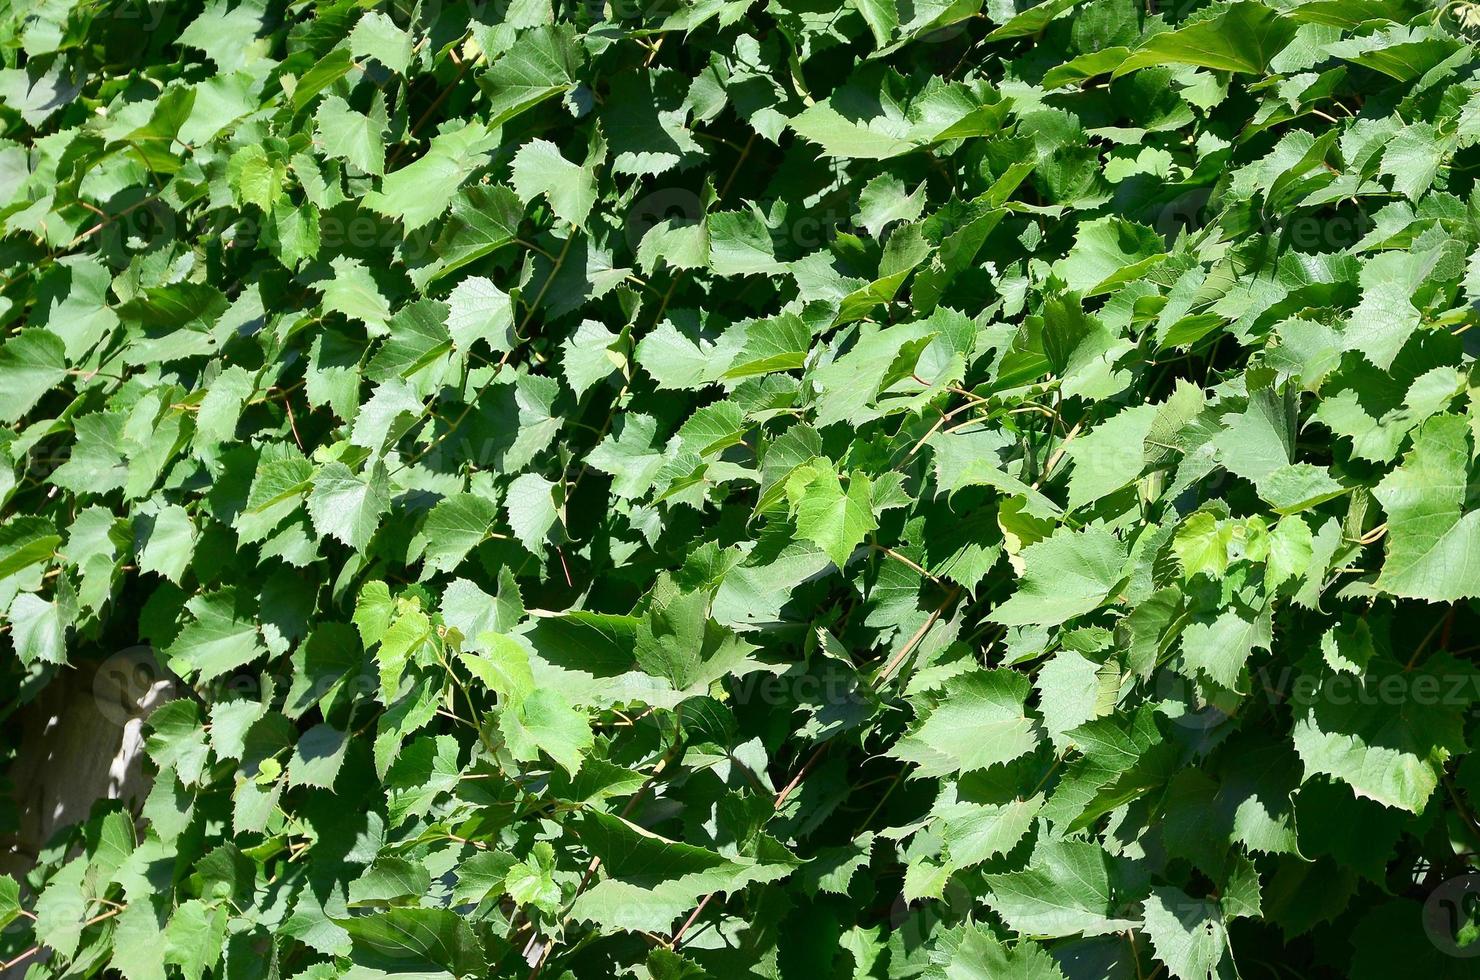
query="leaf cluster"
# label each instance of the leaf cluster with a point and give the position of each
(718, 489)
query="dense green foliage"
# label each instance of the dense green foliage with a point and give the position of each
(780, 489)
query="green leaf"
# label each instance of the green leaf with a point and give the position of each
(836, 520)
(26, 541)
(353, 292)
(194, 937)
(1188, 935)
(1110, 456)
(137, 940)
(221, 635)
(1430, 544)
(980, 954)
(456, 526)
(590, 356)
(34, 361)
(427, 768)
(502, 665)
(740, 244)
(1107, 253)
(874, 117)
(645, 123)
(1243, 37)
(377, 35)
(478, 310)
(649, 881)
(542, 63)
(979, 722)
(543, 721)
(422, 190)
(534, 883)
(354, 137)
(1220, 648)
(973, 832)
(679, 642)
(708, 472)
(483, 220)
(347, 506)
(169, 543)
(1032, 20)
(10, 900)
(1389, 748)
(414, 941)
(1201, 545)
(539, 169)
(317, 757)
(1068, 888)
(39, 626)
(530, 507)
(1067, 575)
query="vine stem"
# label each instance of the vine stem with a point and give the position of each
(498, 368)
(914, 641)
(816, 756)
(1058, 454)
(37, 948)
(906, 561)
(637, 797)
(1461, 807)
(734, 172)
